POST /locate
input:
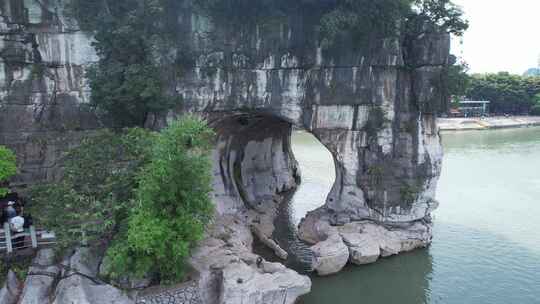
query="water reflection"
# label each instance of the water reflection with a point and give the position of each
(486, 247)
(403, 279)
(481, 268)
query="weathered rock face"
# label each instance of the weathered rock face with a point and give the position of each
(364, 106)
(369, 107)
(230, 273)
(43, 98)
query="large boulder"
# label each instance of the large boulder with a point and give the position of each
(79, 283)
(9, 294)
(273, 283)
(362, 248)
(367, 241)
(83, 290)
(229, 273)
(331, 255)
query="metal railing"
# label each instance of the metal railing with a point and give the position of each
(29, 238)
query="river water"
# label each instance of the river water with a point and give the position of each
(486, 246)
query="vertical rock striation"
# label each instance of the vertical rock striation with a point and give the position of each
(371, 107)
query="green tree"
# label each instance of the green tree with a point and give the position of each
(440, 14)
(127, 82)
(8, 168)
(458, 80)
(173, 205)
(535, 110)
(508, 93)
(91, 202)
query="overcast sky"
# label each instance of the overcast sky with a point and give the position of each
(504, 35)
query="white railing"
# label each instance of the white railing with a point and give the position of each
(10, 243)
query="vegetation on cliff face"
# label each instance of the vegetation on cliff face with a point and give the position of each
(172, 207)
(131, 38)
(142, 193)
(345, 20)
(8, 168)
(19, 266)
(93, 199)
(135, 38)
(439, 15)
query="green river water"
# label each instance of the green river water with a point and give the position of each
(486, 246)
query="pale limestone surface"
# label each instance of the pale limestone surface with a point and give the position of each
(11, 289)
(373, 109)
(331, 255)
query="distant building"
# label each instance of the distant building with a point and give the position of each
(471, 108)
(532, 72)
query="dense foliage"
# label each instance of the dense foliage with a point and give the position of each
(130, 37)
(93, 198)
(134, 39)
(439, 14)
(147, 193)
(458, 81)
(19, 265)
(350, 20)
(8, 168)
(535, 109)
(508, 93)
(172, 207)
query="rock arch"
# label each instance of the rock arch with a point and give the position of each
(371, 108)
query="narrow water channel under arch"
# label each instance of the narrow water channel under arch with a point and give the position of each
(317, 170)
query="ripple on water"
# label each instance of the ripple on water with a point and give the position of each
(462, 266)
(486, 246)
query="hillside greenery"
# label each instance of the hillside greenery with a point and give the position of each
(143, 195)
(172, 207)
(92, 200)
(8, 168)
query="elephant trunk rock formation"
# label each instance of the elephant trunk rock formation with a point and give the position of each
(254, 84)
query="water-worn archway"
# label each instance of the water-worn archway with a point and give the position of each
(373, 108)
(318, 172)
(256, 173)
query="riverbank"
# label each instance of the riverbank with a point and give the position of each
(495, 122)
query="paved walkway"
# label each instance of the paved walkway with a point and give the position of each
(495, 122)
(187, 293)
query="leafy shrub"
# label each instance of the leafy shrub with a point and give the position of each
(362, 20)
(8, 167)
(409, 193)
(19, 266)
(172, 205)
(437, 14)
(92, 200)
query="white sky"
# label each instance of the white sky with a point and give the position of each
(504, 35)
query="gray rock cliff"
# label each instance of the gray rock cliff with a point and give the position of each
(371, 108)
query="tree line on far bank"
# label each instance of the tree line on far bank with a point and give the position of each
(508, 93)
